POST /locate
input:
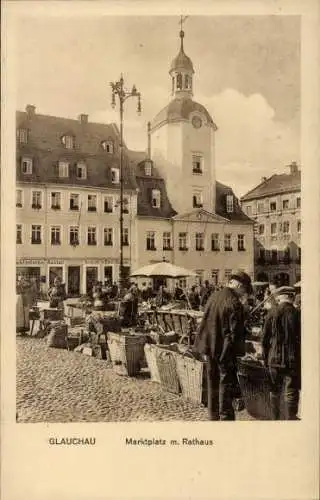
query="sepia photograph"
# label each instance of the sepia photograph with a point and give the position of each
(158, 219)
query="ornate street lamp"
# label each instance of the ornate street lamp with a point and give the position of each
(119, 90)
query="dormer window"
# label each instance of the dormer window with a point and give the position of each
(115, 176)
(107, 146)
(22, 134)
(197, 164)
(197, 201)
(81, 171)
(68, 141)
(26, 166)
(148, 168)
(156, 198)
(63, 167)
(229, 203)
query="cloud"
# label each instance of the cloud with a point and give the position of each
(250, 142)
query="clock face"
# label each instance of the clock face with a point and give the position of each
(196, 122)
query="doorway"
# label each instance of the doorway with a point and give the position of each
(55, 272)
(74, 281)
(108, 274)
(91, 278)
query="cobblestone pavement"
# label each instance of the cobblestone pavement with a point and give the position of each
(54, 385)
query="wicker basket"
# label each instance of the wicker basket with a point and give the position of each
(192, 378)
(255, 387)
(166, 363)
(52, 314)
(150, 354)
(126, 352)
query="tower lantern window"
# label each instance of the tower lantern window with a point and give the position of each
(179, 81)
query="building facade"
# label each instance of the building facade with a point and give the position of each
(68, 190)
(275, 205)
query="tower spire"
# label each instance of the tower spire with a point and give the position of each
(181, 70)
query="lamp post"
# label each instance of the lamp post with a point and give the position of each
(119, 90)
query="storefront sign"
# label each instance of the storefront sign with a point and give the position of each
(35, 262)
(55, 262)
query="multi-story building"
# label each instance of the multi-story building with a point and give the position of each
(275, 205)
(67, 199)
(68, 196)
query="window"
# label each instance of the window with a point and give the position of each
(108, 204)
(215, 276)
(227, 243)
(261, 229)
(273, 228)
(36, 235)
(74, 201)
(241, 246)
(156, 198)
(199, 241)
(92, 203)
(274, 256)
(227, 275)
(285, 204)
(68, 141)
(19, 198)
(148, 168)
(19, 234)
(197, 161)
(197, 199)
(249, 210)
(74, 235)
(55, 235)
(36, 199)
(299, 226)
(81, 171)
(108, 236)
(125, 237)
(151, 240)
(298, 202)
(125, 205)
(55, 200)
(260, 208)
(107, 146)
(273, 206)
(26, 166)
(92, 235)
(183, 241)
(215, 243)
(63, 168)
(115, 176)
(179, 81)
(229, 203)
(286, 227)
(166, 241)
(22, 134)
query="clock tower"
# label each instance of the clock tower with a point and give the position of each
(183, 142)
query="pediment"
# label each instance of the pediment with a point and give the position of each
(200, 215)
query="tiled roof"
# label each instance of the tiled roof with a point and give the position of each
(180, 108)
(276, 184)
(146, 183)
(221, 205)
(46, 149)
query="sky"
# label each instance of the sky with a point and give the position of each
(247, 74)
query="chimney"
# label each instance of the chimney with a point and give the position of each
(149, 141)
(263, 179)
(293, 168)
(30, 110)
(83, 118)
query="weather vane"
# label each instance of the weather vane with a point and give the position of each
(182, 21)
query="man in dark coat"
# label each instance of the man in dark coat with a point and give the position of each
(281, 345)
(221, 337)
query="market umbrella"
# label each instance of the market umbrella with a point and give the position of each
(298, 284)
(164, 269)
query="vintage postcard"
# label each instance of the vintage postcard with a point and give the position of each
(160, 250)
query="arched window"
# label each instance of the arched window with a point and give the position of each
(186, 81)
(179, 81)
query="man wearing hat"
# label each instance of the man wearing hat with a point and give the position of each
(221, 337)
(281, 345)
